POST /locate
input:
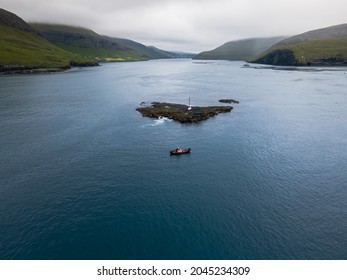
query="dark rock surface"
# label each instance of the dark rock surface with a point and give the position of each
(280, 57)
(84, 64)
(180, 112)
(24, 69)
(229, 101)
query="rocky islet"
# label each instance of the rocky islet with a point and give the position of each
(180, 112)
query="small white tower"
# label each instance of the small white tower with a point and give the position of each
(189, 107)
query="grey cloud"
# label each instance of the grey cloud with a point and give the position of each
(191, 25)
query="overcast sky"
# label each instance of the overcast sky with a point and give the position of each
(185, 25)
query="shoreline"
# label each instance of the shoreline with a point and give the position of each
(19, 69)
(311, 68)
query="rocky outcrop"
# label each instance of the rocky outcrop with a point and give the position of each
(24, 69)
(84, 64)
(279, 57)
(286, 57)
(337, 60)
(229, 101)
(181, 113)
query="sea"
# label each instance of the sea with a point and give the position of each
(84, 176)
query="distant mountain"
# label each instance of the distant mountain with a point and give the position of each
(174, 54)
(184, 54)
(148, 52)
(326, 46)
(23, 48)
(240, 50)
(86, 42)
(166, 54)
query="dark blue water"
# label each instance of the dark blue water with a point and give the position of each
(85, 176)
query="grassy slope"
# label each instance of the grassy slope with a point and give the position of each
(240, 50)
(325, 46)
(87, 42)
(27, 49)
(309, 52)
(104, 54)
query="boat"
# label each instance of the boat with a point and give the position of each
(179, 151)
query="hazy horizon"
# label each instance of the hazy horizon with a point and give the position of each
(186, 26)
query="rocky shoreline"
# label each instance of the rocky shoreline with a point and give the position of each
(30, 70)
(25, 69)
(181, 112)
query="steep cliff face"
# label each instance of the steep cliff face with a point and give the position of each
(279, 57)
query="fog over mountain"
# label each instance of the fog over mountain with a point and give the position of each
(185, 25)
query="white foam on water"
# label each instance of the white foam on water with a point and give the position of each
(157, 122)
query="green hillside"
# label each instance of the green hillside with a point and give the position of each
(25, 50)
(86, 42)
(240, 50)
(321, 47)
(21, 48)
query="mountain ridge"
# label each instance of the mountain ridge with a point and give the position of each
(10, 19)
(319, 47)
(88, 42)
(239, 49)
(22, 48)
(330, 32)
(37, 47)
